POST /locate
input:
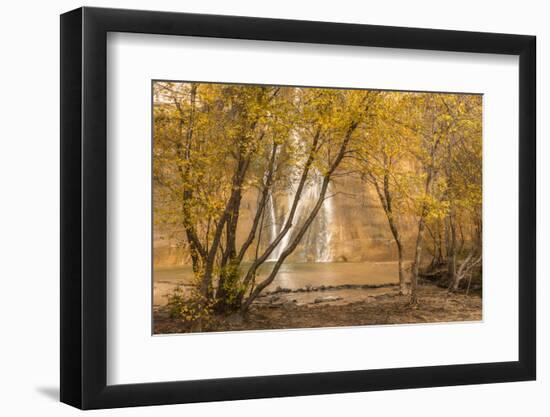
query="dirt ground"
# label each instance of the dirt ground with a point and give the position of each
(327, 309)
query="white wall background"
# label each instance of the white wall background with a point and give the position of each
(29, 225)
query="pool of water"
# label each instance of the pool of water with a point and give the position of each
(292, 275)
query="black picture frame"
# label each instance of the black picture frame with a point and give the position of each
(84, 207)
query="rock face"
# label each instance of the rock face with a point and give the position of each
(351, 227)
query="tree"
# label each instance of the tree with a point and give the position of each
(217, 145)
(463, 169)
(447, 150)
(330, 118)
(214, 143)
(381, 162)
(431, 126)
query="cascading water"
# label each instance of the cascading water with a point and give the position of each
(324, 248)
(318, 246)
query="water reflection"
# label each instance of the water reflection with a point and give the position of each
(292, 275)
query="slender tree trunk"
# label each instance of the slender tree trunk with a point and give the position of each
(420, 238)
(451, 220)
(439, 245)
(184, 149)
(386, 200)
(465, 268)
(288, 250)
(402, 282)
(228, 256)
(251, 273)
(399, 244)
(451, 251)
(395, 231)
(417, 259)
(430, 172)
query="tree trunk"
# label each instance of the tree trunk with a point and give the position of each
(430, 171)
(399, 244)
(402, 282)
(384, 194)
(451, 251)
(420, 240)
(251, 273)
(287, 251)
(465, 268)
(439, 246)
(417, 259)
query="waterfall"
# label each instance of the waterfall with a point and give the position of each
(320, 247)
(324, 248)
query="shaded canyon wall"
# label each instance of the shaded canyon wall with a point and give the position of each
(351, 227)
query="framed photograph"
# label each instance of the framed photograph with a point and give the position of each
(258, 208)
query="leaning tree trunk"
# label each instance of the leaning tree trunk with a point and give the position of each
(465, 269)
(289, 249)
(288, 224)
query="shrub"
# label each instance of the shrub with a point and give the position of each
(191, 307)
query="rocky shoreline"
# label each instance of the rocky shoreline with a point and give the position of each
(310, 288)
(335, 306)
